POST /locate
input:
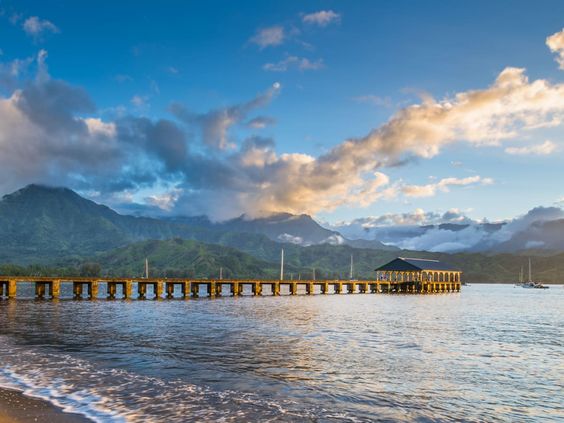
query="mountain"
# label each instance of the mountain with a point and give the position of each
(183, 258)
(39, 223)
(538, 236)
(284, 228)
(280, 227)
(188, 258)
(56, 227)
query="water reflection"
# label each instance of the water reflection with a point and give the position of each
(491, 353)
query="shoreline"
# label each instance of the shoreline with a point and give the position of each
(16, 407)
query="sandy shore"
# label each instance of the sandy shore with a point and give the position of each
(18, 408)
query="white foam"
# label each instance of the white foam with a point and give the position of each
(113, 395)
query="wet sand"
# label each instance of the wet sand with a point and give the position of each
(15, 407)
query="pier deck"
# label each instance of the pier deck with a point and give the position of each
(89, 287)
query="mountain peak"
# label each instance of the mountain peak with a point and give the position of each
(35, 189)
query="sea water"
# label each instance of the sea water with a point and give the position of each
(490, 353)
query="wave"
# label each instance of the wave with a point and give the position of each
(106, 395)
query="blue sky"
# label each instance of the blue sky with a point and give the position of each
(340, 70)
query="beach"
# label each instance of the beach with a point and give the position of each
(15, 407)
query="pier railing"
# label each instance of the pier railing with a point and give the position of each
(89, 287)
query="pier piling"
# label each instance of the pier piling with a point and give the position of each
(45, 287)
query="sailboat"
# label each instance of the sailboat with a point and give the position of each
(520, 278)
(530, 283)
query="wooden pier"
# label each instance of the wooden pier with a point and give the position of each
(47, 287)
(400, 276)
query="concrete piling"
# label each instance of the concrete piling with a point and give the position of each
(51, 287)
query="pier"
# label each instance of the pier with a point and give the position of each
(89, 288)
(400, 276)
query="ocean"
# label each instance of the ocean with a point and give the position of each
(490, 353)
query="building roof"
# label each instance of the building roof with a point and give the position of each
(403, 264)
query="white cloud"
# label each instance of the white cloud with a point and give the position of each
(544, 149)
(164, 201)
(322, 18)
(97, 127)
(417, 217)
(443, 185)
(333, 240)
(291, 239)
(453, 231)
(36, 27)
(349, 174)
(42, 123)
(556, 45)
(271, 36)
(301, 63)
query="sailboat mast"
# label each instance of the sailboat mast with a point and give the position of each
(530, 277)
(351, 275)
(282, 264)
(521, 275)
(146, 268)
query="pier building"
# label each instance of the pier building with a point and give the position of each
(420, 275)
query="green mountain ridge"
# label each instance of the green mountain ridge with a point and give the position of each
(41, 224)
(55, 231)
(194, 259)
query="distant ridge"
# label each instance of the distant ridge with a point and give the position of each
(39, 223)
(45, 222)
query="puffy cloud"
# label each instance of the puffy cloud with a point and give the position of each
(41, 141)
(543, 149)
(334, 239)
(215, 124)
(538, 214)
(443, 185)
(395, 227)
(453, 231)
(36, 27)
(164, 201)
(45, 136)
(271, 36)
(96, 127)
(322, 18)
(445, 240)
(301, 63)
(556, 45)
(479, 117)
(291, 239)
(416, 217)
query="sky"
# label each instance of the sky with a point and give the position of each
(338, 109)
